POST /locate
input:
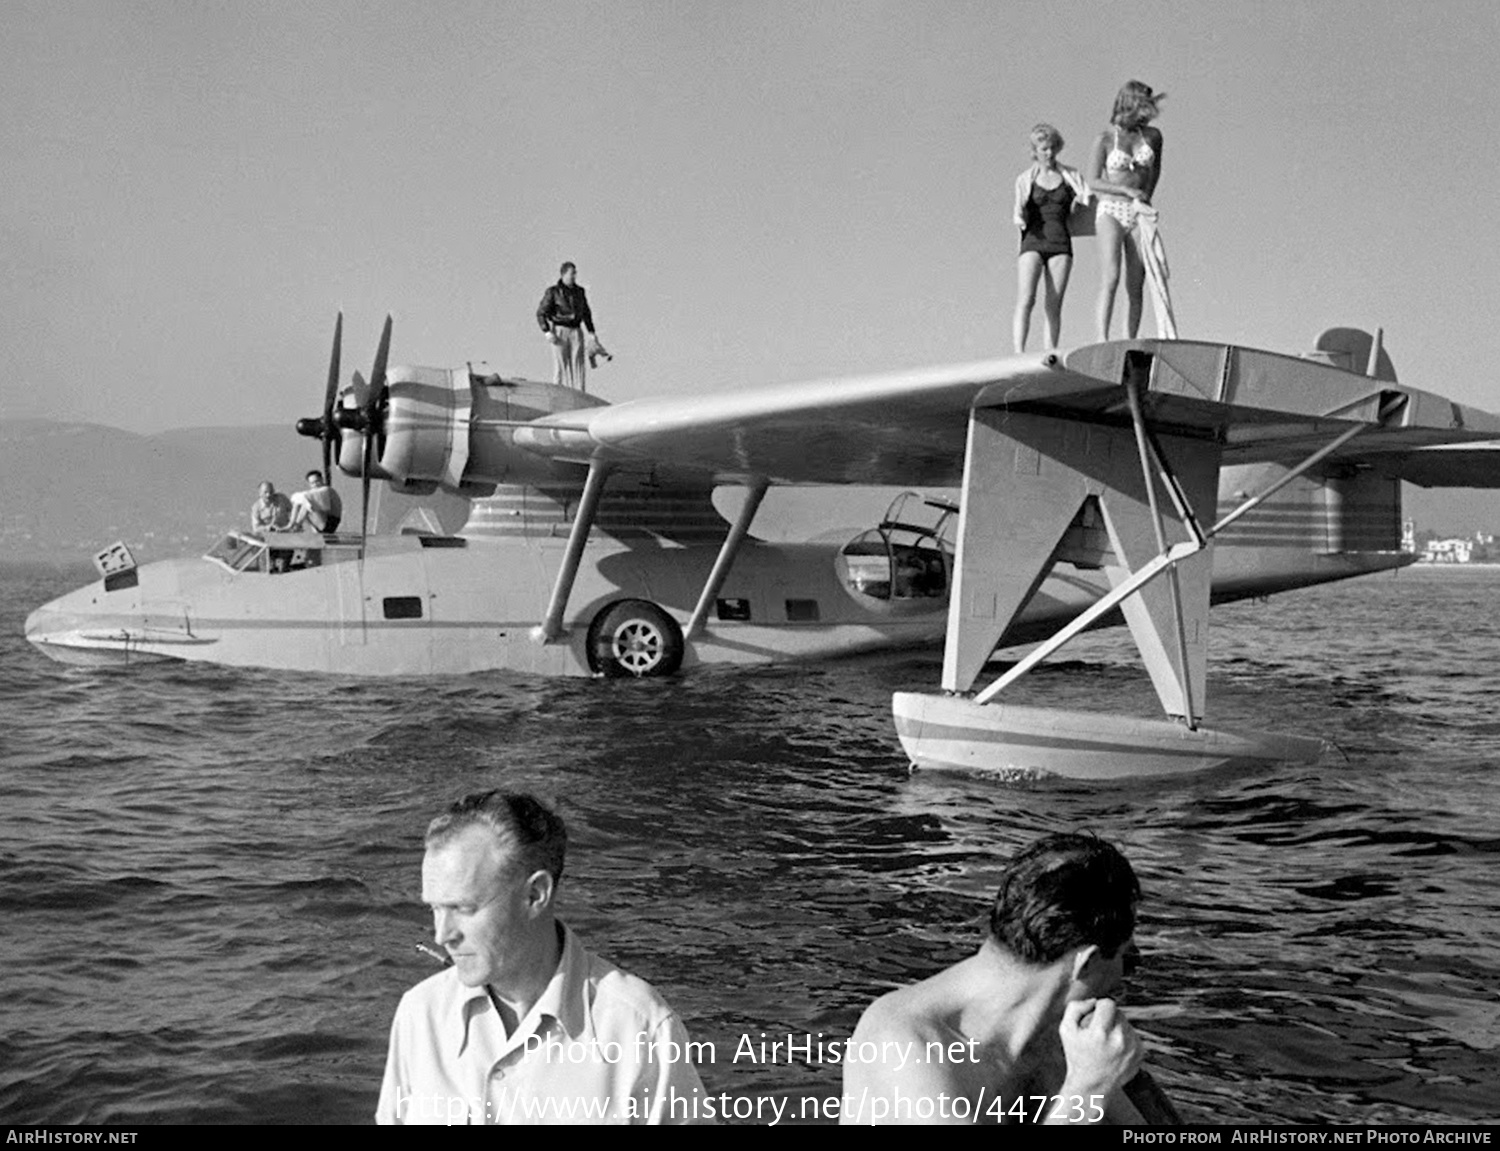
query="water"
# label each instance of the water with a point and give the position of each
(209, 878)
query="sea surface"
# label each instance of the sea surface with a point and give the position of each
(209, 878)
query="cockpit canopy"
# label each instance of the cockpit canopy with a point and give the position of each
(907, 561)
(245, 552)
(238, 552)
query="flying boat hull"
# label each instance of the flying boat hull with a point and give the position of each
(410, 610)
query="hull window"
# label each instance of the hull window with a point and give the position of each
(403, 607)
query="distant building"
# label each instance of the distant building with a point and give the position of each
(1479, 548)
(1454, 551)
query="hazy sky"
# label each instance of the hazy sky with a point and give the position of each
(753, 192)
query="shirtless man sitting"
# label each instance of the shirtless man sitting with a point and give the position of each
(1029, 1028)
(319, 506)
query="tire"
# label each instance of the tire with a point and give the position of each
(635, 638)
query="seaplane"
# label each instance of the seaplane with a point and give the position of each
(1135, 480)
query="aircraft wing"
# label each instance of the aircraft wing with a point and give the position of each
(911, 427)
(1269, 407)
(900, 427)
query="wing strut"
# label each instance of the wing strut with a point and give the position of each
(551, 628)
(1170, 556)
(737, 533)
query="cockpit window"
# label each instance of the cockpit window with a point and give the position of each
(237, 552)
(240, 552)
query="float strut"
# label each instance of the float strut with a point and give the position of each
(1147, 451)
(737, 533)
(1173, 555)
(1138, 579)
(583, 519)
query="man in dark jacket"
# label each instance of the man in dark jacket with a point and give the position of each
(564, 316)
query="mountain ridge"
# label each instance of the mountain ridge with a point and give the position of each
(69, 488)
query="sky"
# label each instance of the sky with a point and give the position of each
(753, 192)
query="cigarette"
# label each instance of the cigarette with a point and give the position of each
(434, 953)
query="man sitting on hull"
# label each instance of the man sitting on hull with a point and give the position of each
(319, 506)
(1029, 1028)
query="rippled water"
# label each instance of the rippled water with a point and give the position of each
(209, 878)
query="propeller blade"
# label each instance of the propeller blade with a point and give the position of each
(361, 390)
(377, 377)
(371, 426)
(330, 396)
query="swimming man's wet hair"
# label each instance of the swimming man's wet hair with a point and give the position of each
(1062, 892)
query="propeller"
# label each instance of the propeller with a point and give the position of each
(371, 419)
(326, 428)
(365, 417)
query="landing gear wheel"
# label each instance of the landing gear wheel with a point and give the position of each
(635, 638)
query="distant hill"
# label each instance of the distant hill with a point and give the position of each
(69, 489)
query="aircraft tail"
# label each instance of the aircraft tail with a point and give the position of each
(1320, 527)
(1441, 466)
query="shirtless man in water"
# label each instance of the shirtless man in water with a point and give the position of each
(1029, 1028)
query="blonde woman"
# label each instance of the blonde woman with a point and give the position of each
(1046, 195)
(1123, 171)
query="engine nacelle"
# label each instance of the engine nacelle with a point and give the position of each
(448, 428)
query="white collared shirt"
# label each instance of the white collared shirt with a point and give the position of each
(598, 1046)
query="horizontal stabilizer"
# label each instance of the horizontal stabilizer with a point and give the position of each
(1456, 466)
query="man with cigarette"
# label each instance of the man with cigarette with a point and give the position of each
(526, 1025)
(1028, 1029)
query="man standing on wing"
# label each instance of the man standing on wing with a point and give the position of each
(1033, 1014)
(564, 315)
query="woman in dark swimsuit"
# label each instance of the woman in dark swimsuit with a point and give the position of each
(1045, 196)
